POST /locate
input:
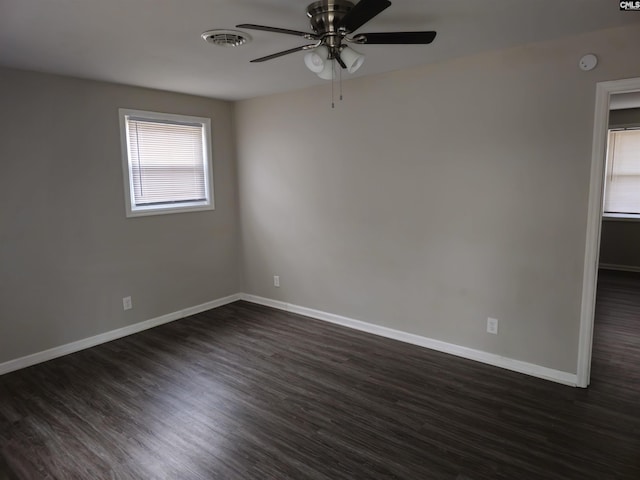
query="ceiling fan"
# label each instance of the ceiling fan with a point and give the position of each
(333, 23)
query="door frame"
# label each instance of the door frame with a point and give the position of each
(604, 90)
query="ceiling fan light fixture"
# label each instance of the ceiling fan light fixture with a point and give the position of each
(328, 72)
(352, 59)
(316, 59)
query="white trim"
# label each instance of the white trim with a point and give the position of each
(267, 302)
(620, 268)
(594, 220)
(464, 352)
(62, 350)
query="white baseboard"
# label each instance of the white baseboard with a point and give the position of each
(68, 348)
(464, 352)
(534, 370)
(621, 268)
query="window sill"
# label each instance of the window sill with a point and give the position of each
(621, 217)
(165, 210)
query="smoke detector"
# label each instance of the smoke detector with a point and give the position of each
(226, 38)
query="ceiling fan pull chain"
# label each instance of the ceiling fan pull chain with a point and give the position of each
(333, 81)
(340, 80)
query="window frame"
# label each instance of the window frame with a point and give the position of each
(133, 210)
(615, 216)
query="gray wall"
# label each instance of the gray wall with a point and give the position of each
(620, 243)
(68, 254)
(620, 240)
(432, 198)
(426, 201)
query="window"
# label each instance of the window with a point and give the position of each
(166, 162)
(622, 182)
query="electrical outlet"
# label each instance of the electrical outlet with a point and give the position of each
(276, 280)
(492, 325)
(126, 303)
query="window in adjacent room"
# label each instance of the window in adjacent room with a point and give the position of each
(166, 162)
(622, 181)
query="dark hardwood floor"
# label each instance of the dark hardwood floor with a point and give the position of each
(247, 392)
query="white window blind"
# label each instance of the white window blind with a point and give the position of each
(622, 184)
(167, 162)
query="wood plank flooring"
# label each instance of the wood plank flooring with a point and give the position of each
(247, 392)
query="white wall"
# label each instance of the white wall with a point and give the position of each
(68, 254)
(432, 198)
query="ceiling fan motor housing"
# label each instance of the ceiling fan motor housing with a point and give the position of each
(325, 17)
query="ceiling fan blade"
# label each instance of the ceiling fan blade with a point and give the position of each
(309, 36)
(361, 13)
(405, 38)
(286, 52)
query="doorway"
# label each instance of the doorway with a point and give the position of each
(604, 93)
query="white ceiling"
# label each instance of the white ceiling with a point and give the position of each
(157, 44)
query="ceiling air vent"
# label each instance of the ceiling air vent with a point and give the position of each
(226, 38)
